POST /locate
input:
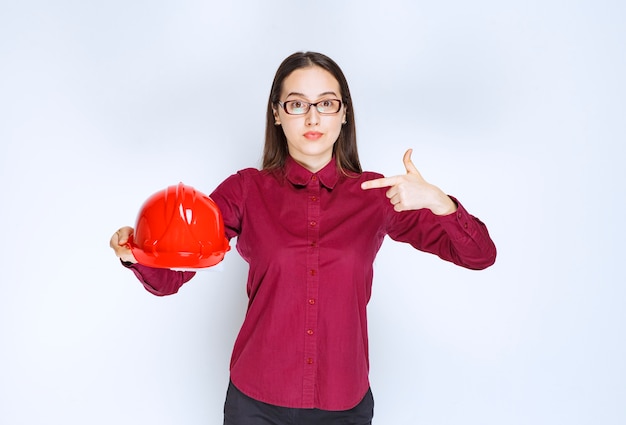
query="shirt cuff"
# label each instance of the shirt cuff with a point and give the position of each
(459, 224)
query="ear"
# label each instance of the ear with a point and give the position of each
(276, 117)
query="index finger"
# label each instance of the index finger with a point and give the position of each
(378, 183)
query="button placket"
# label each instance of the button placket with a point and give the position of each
(312, 288)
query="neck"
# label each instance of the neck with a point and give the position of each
(313, 164)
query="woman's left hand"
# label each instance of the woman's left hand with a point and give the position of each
(411, 192)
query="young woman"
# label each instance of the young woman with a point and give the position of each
(310, 224)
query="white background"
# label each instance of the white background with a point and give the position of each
(515, 107)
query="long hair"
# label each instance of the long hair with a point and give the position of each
(275, 151)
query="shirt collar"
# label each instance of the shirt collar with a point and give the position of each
(300, 176)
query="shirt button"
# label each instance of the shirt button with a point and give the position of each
(313, 223)
(465, 225)
(311, 301)
(313, 244)
(313, 198)
(309, 361)
(312, 272)
(314, 178)
(309, 332)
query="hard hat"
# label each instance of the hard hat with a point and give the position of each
(179, 228)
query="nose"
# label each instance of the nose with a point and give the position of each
(312, 116)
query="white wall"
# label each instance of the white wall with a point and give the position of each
(515, 107)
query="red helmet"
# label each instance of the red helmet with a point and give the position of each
(179, 227)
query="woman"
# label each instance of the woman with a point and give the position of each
(310, 224)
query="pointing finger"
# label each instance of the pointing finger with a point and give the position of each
(378, 183)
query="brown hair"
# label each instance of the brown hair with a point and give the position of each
(345, 150)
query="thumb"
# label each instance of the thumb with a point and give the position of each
(122, 239)
(123, 235)
(408, 164)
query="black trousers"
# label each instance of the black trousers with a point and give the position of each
(240, 409)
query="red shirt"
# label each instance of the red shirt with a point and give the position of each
(310, 240)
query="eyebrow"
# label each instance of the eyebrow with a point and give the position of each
(319, 95)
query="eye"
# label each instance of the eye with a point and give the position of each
(297, 107)
(329, 106)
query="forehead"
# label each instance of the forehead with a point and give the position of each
(311, 82)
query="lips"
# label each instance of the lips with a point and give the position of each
(312, 135)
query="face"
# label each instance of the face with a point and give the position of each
(311, 136)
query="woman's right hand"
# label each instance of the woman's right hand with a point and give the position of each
(119, 243)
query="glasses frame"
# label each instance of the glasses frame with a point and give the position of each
(309, 104)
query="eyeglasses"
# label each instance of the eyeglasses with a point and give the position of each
(300, 107)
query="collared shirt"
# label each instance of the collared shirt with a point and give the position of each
(310, 240)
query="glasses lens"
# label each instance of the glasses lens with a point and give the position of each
(329, 106)
(296, 107)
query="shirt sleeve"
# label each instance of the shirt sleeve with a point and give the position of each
(157, 281)
(458, 237)
(229, 197)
